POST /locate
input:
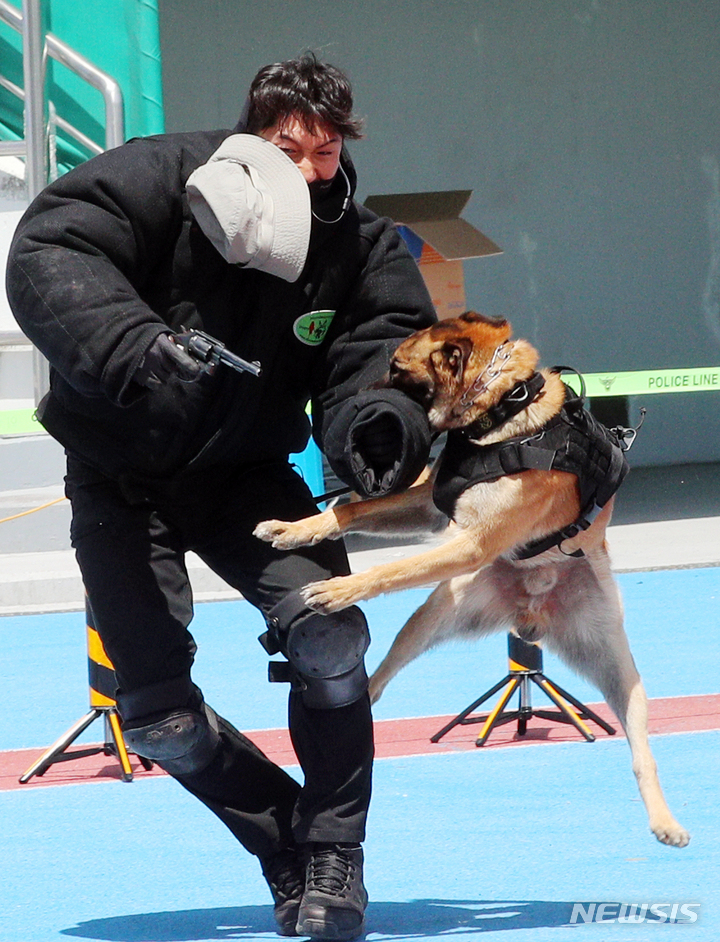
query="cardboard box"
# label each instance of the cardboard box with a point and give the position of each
(439, 240)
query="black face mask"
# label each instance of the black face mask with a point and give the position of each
(321, 188)
(330, 199)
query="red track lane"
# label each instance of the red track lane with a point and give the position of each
(393, 738)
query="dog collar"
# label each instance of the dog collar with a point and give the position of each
(491, 372)
(513, 402)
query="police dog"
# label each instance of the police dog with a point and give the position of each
(467, 373)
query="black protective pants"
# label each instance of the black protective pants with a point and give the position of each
(130, 539)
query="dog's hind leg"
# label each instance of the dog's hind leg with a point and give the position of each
(662, 823)
(592, 640)
(468, 607)
(430, 624)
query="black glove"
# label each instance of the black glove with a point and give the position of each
(164, 359)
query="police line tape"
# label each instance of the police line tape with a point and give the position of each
(648, 382)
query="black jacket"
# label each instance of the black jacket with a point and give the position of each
(109, 256)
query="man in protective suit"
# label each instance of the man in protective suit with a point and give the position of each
(251, 235)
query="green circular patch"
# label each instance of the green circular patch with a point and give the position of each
(311, 328)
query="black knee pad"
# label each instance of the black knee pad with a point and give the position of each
(182, 739)
(326, 651)
(182, 742)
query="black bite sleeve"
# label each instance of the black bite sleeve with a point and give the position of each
(354, 425)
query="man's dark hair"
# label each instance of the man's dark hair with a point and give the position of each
(313, 91)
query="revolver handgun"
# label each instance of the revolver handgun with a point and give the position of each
(209, 351)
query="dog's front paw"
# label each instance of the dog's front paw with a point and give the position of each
(282, 534)
(671, 833)
(330, 595)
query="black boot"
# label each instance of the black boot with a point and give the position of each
(285, 874)
(333, 905)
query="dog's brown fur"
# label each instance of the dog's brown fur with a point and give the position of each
(571, 602)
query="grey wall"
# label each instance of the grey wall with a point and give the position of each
(589, 131)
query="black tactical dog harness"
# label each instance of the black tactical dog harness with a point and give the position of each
(573, 441)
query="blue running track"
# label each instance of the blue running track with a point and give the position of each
(497, 843)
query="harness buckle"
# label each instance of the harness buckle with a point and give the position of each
(626, 436)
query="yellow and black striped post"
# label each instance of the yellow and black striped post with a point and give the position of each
(103, 684)
(525, 666)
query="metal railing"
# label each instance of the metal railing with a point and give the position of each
(41, 119)
(84, 68)
(18, 148)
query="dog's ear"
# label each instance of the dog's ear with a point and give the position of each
(473, 317)
(455, 355)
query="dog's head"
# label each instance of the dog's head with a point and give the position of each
(458, 368)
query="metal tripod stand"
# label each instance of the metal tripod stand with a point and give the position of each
(525, 668)
(102, 689)
(114, 745)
